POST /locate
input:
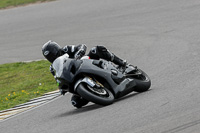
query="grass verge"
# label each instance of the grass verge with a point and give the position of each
(20, 82)
(13, 3)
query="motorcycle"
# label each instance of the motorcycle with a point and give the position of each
(98, 81)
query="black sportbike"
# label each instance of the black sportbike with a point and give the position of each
(98, 81)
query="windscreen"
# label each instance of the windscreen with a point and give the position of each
(58, 65)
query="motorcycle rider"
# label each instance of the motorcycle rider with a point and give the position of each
(51, 50)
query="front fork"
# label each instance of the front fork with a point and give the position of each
(86, 80)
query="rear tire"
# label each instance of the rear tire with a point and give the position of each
(143, 82)
(102, 98)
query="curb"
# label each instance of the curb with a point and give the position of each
(4, 114)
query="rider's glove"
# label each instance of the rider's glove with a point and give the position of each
(80, 53)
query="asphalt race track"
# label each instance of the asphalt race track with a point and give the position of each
(162, 37)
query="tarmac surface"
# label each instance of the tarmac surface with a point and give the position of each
(159, 36)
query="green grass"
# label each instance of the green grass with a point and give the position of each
(12, 3)
(20, 82)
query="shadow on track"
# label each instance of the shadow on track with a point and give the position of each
(92, 106)
(81, 110)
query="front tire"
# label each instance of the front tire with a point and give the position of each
(103, 97)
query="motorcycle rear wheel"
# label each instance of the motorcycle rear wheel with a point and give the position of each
(143, 81)
(102, 97)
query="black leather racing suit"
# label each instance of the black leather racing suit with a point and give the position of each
(95, 53)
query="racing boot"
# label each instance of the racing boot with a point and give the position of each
(121, 63)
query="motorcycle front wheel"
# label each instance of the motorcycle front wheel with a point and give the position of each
(101, 96)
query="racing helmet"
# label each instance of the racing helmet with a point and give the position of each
(51, 50)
